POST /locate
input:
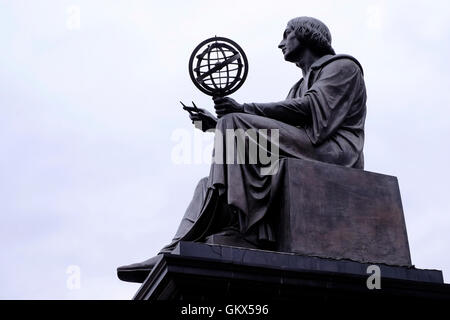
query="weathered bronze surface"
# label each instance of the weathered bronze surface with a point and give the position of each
(329, 212)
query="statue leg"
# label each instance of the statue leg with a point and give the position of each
(210, 217)
(190, 216)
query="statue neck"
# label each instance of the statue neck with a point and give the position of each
(306, 61)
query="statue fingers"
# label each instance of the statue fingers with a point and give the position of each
(221, 112)
(189, 108)
(221, 106)
(195, 117)
(218, 99)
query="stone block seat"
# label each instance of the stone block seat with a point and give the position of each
(336, 212)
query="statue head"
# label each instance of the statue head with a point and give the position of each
(305, 33)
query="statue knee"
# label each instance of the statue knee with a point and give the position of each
(202, 186)
(202, 182)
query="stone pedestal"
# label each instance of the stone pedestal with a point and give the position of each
(202, 272)
(336, 212)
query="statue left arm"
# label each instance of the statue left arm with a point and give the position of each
(339, 88)
(292, 111)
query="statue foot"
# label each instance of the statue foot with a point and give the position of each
(231, 238)
(137, 272)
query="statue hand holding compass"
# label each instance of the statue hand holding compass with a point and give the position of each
(206, 118)
(219, 69)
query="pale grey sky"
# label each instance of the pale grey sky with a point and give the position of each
(88, 117)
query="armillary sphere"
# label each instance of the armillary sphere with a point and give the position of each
(218, 66)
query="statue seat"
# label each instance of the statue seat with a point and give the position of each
(341, 213)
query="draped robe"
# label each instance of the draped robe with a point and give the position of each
(322, 119)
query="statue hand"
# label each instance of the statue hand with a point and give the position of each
(224, 105)
(207, 119)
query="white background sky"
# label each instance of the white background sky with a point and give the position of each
(87, 118)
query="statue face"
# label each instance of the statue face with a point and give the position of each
(290, 46)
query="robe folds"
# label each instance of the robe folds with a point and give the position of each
(322, 119)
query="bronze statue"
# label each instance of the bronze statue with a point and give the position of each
(322, 119)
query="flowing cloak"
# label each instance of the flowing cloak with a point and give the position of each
(322, 119)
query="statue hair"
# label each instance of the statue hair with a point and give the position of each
(313, 33)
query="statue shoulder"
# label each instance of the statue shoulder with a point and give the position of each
(293, 90)
(338, 61)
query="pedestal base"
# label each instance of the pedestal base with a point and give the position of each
(202, 272)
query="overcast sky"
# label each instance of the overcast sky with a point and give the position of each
(90, 116)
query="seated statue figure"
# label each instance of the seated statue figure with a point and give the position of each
(322, 119)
